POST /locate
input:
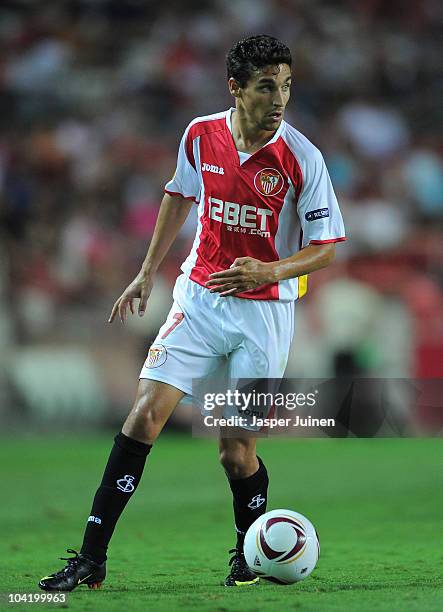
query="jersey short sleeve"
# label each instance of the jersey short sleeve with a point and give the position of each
(185, 181)
(317, 207)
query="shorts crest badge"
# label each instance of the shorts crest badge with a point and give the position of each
(157, 356)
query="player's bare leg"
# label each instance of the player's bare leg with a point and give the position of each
(238, 456)
(154, 403)
(248, 480)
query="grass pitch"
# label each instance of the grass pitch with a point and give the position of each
(377, 505)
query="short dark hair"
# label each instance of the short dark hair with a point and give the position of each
(253, 53)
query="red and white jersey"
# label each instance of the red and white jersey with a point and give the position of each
(266, 205)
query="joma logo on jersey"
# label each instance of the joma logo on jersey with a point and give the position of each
(211, 168)
(240, 217)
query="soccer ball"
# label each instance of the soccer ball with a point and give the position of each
(282, 546)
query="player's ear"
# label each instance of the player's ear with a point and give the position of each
(234, 87)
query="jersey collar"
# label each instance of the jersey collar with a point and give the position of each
(231, 137)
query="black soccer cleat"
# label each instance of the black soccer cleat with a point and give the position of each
(78, 570)
(240, 574)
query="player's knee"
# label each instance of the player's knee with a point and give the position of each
(143, 422)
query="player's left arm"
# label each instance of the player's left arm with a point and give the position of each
(248, 273)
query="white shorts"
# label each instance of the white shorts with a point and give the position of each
(205, 334)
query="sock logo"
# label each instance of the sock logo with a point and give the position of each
(125, 483)
(256, 502)
(94, 519)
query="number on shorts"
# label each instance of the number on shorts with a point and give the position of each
(179, 316)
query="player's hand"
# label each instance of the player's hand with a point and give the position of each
(244, 274)
(140, 288)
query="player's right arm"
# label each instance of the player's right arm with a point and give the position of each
(173, 212)
(181, 192)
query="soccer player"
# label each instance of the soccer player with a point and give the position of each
(257, 182)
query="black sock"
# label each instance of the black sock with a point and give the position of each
(120, 479)
(250, 498)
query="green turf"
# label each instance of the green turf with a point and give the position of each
(377, 505)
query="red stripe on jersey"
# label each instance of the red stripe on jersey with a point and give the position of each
(207, 127)
(197, 129)
(342, 239)
(176, 193)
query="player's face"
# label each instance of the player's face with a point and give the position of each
(265, 96)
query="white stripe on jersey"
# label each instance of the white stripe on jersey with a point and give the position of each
(317, 191)
(287, 242)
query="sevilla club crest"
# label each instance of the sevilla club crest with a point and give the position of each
(157, 356)
(268, 182)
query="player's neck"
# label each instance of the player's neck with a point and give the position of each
(247, 137)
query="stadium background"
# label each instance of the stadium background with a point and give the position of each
(94, 97)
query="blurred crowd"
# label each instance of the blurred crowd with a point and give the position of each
(94, 97)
